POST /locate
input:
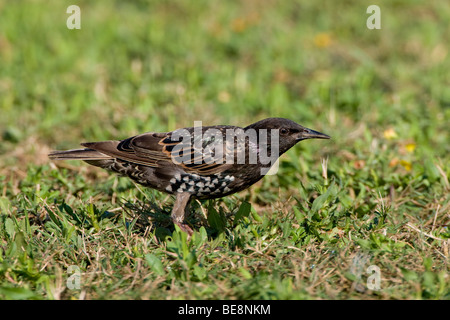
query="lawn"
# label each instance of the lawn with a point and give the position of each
(364, 215)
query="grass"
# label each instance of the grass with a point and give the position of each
(377, 194)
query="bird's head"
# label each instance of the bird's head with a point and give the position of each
(289, 132)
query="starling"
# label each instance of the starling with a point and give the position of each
(203, 162)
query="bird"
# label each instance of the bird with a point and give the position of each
(199, 162)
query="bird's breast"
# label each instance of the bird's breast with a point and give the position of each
(201, 186)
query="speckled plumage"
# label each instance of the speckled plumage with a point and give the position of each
(188, 163)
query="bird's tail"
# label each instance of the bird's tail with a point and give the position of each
(78, 154)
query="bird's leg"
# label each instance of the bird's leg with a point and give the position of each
(179, 211)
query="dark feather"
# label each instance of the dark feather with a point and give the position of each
(78, 154)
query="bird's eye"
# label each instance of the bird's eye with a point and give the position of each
(284, 131)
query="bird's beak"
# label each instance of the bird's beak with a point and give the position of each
(311, 134)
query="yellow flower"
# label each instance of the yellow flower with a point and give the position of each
(223, 96)
(322, 40)
(389, 134)
(406, 164)
(410, 147)
(239, 25)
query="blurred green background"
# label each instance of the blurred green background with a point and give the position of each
(136, 66)
(158, 65)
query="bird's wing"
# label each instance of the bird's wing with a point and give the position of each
(142, 149)
(194, 153)
(201, 152)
